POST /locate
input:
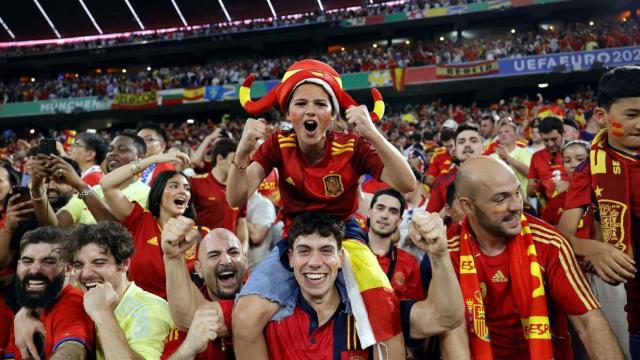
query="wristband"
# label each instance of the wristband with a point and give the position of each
(85, 192)
(135, 167)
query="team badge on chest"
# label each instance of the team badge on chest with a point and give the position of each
(333, 185)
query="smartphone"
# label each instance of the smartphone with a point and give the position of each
(48, 146)
(23, 191)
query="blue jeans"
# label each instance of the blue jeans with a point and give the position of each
(634, 345)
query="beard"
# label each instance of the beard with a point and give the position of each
(60, 201)
(383, 234)
(32, 299)
(226, 294)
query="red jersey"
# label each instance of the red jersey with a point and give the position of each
(299, 336)
(544, 168)
(438, 198)
(405, 277)
(93, 175)
(371, 185)
(440, 162)
(269, 186)
(220, 348)
(65, 320)
(210, 201)
(581, 193)
(490, 148)
(330, 186)
(567, 290)
(6, 325)
(147, 266)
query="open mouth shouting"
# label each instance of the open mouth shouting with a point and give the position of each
(180, 202)
(38, 284)
(310, 127)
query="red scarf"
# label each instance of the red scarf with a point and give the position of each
(528, 291)
(610, 181)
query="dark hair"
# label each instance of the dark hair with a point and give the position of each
(416, 137)
(451, 193)
(14, 176)
(446, 135)
(390, 192)
(222, 147)
(110, 236)
(316, 223)
(157, 190)
(572, 123)
(73, 164)
(487, 116)
(618, 83)
(585, 144)
(47, 235)
(96, 143)
(551, 123)
(465, 127)
(138, 142)
(155, 127)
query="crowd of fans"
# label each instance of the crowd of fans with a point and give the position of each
(460, 220)
(223, 28)
(573, 37)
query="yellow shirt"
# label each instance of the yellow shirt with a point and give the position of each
(524, 156)
(137, 191)
(145, 321)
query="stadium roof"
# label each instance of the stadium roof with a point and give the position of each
(27, 19)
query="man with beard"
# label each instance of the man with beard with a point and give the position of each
(519, 277)
(468, 144)
(403, 272)
(42, 292)
(130, 322)
(548, 180)
(89, 206)
(206, 312)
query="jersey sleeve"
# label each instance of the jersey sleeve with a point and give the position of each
(568, 287)
(405, 315)
(134, 219)
(580, 190)
(268, 154)
(367, 160)
(93, 178)
(73, 325)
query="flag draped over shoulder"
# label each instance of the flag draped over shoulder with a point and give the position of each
(373, 302)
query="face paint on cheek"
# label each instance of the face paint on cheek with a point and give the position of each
(616, 128)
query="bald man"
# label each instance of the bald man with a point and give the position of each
(518, 277)
(205, 312)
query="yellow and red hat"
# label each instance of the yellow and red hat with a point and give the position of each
(305, 71)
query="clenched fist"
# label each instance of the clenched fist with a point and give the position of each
(178, 235)
(359, 118)
(254, 131)
(101, 299)
(204, 328)
(428, 232)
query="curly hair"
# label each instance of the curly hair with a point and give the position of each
(111, 236)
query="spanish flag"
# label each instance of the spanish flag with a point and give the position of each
(373, 302)
(195, 94)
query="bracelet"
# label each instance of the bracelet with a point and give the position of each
(42, 197)
(240, 167)
(85, 192)
(135, 167)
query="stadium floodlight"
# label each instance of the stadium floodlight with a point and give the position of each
(224, 9)
(320, 4)
(86, 9)
(47, 18)
(6, 28)
(543, 85)
(272, 10)
(179, 12)
(134, 14)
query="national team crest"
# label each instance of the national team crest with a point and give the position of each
(611, 215)
(476, 311)
(333, 185)
(398, 278)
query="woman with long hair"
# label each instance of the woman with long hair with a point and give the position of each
(169, 197)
